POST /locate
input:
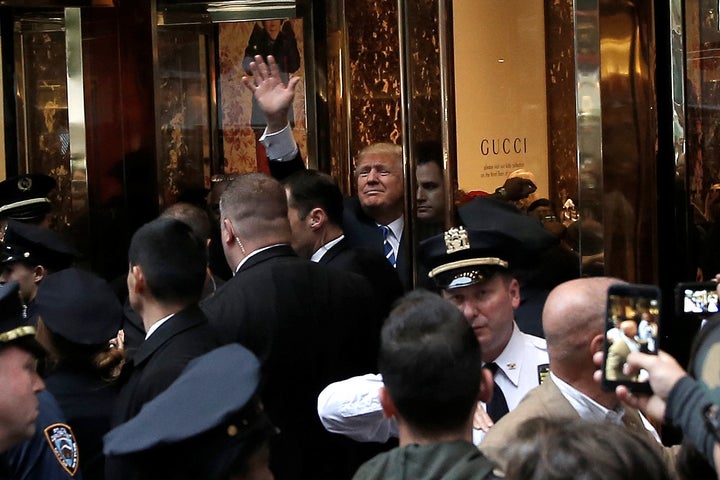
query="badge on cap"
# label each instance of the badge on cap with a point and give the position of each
(62, 443)
(456, 239)
(24, 184)
(543, 373)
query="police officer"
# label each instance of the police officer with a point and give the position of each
(25, 198)
(78, 316)
(473, 270)
(208, 424)
(29, 254)
(48, 450)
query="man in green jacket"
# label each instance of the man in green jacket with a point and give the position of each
(431, 363)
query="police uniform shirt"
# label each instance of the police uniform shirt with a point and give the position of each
(520, 365)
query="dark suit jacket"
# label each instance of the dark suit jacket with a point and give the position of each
(161, 358)
(362, 231)
(156, 363)
(373, 266)
(309, 325)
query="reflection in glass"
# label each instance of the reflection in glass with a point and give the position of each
(42, 106)
(585, 229)
(702, 162)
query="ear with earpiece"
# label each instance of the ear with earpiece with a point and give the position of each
(317, 217)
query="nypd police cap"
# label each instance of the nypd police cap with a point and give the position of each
(78, 306)
(461, 257)
(35, 245)
(24, 197)
(208, 400)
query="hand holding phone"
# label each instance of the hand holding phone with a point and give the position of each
(632, 325)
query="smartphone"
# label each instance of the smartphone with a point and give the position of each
(632, 325)
(696, 299)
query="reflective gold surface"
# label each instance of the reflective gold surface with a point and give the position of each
(374, 72)
(629, 147)
(562, 128)
(182, 107)
(42, 104)
(76, 115)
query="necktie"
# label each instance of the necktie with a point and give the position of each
(497, 406)
(387, 246)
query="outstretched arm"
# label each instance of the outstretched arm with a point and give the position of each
(352, 408)
(273, 96)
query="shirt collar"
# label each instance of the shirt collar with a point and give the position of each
(255, 252)
(157, 325)
(320, 252)
(586, 407)
(510, 359)
(396, 227)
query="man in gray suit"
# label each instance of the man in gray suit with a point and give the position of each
(573, 320)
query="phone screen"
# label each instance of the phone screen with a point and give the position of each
(697, 298)
(633, 324)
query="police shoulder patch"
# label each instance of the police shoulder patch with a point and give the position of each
(62, 443)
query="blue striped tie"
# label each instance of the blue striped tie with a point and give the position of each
(387, 246)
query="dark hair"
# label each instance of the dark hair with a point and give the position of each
(191, 214)
(172, 258)
(431, 363)
(569, 449)
(102, 359)
(540, 202)
(429, 151)
(312, 189)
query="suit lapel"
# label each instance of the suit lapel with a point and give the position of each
(334, 251)
(181, 321)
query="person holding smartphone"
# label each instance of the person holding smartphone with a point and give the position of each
(574, 320)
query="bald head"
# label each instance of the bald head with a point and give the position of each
(629, 328)
(574, 314)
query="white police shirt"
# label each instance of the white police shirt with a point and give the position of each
(352, 407)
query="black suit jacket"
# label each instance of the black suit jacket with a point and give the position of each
(309, 325)
(156, 363)
(362, 231)
(373, 266)
(160, 359)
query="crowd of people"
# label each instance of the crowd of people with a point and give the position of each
(316, 358)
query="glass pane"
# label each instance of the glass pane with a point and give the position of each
(242, 120)
(182, 103)
(702, 133)
(43, 125)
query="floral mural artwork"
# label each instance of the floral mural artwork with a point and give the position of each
(242, 124)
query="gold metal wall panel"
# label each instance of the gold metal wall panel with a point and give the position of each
(424, 70)
(562, 128)
(374, 72)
